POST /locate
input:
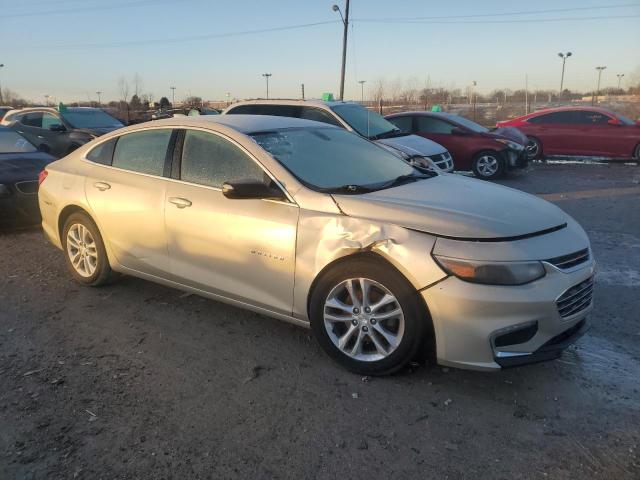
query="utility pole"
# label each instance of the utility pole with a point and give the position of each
(302, 86)
(1, 100)
(173, 96)
(564, 57)
(362, 82)
(473, 98)
(594, 100)
(619, 75)
(526, 94)
(345, 22)
(266, 76)
(99, 103)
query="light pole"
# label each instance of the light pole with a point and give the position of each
(619, 75)
(99, 93)
(228, 95)
(173, 96)
(302, 87)
(564, 57)
(473, 98)
(1, 101)
(599, 69)
(362, 82)
(266, 76)
(46, 100)
(345, 22)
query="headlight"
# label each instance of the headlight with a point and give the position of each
(510, 144)
(492, 273)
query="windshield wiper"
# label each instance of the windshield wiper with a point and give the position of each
(396, 132)
(411, 177)
(348, 189)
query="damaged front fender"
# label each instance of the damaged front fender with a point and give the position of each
(324, 238)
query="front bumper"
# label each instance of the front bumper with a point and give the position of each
(515, 158)
(476, 325)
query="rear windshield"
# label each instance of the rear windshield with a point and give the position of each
(91, 119)
(12, 142)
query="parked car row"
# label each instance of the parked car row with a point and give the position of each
(314, 224)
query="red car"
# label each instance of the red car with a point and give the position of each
(472, 146)
(579, 131)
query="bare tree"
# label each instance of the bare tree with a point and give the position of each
(378, 90)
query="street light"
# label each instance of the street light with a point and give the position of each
(345, 22)
(564, 57)
(599, 69)
(619, 75)
(46, 100)
(173, 96)
(266, 76)
(228, 95)
(1, 101)
(362, 82)
(99, 103)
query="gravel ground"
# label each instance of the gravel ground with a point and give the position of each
(139, 381)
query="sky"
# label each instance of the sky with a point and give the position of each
(70, 49)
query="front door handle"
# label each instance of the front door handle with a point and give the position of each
(102, 186)
(40, 136)
(180, 202)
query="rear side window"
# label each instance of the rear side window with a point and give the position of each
(433, 125)
(404, 123)
(143, 152)
(555, 117)
(103, 153)
(211, 160)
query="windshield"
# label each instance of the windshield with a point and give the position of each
(11, 142)
(90, 118)
(471, 125)
(367, 123)
(332, 158)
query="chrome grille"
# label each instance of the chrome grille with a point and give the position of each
(567, 261)
(442, 160)
(28, 188)
(575, 299)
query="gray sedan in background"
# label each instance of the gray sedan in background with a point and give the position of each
(313, 224)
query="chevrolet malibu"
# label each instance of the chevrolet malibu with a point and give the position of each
(312, 224)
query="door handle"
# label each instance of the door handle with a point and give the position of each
(40, 136)
(20, 132)
(102, 186)
(180, 202)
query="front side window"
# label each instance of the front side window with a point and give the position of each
(331, 158)
(49, 119)
(90, 118)
(33, 119)
(12, 142)
(317, 115)
(433, 125)
(209, 159)
(143, 152)
(555, 117)
(404, 123)
(587, 117)
(364, 121)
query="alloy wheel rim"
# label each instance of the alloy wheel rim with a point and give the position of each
(487, 165)
(82, 251)
(532, 149)
(363, 319)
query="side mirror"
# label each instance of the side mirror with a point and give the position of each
(457, 131)
(57, 127)
(251, 189)
(613, 121)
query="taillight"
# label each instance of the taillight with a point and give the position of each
(41, 176)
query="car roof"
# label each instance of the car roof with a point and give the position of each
(571, 109)
(292, 101)
(242, 123)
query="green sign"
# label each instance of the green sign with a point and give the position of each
(436, 108)
(62, 108)
(327, 97)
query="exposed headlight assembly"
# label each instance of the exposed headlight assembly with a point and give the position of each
(492, 273)
(510, 144)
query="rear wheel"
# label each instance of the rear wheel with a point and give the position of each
(85, 255)
(533, 149)
(367, 316)
(488, 165)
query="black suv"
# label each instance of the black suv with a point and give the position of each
(61, 132)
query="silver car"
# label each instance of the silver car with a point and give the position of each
(312, 224)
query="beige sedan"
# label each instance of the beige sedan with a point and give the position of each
(312, 224)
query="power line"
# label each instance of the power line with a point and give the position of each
(531, 20)
(179, 39)
(139, 3)
(500, 14)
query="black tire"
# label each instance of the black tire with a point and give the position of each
(534, 149)
(636, 155)
(416, 318)
(103, 273)
(481, 158)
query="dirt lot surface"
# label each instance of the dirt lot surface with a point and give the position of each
(137, 381)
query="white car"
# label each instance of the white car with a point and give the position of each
(355, 118)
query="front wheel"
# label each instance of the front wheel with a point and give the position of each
(367, 316)
(488, 165)
(636, 155)
(533, 149)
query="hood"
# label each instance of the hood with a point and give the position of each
(510, 133)
(453, 206)
(413, 145)
(18, 167)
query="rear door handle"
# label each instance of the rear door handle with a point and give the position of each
(102, 186)
(180, 202)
